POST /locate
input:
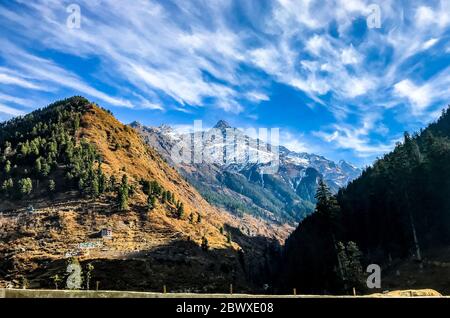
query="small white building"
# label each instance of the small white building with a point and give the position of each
(106, 233)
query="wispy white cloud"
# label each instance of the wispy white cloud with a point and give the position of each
(350, 56)
(297, 142)
(8, 79)
(44, 70)
(428, 44)
(422, 96)
(256, 96)
(10, 110)
(419, 97)
(427, 16)
(143, 54)
(357, 137)
(16, 100)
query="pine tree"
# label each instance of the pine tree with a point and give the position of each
(112, 183)
(123, 194)
(51, 186)
(151, 202)
(180, 211)
(38, 165)
(89, 270)
(414, 155)
(81, 184)
(101, 179)
(352, 272)
(8, 186)
(228, 237)
(7, 168)
(327, 207)
(24, 148)
(25, 186)
(205, 244)
(150, 188)
(95, 188)
(56, 279)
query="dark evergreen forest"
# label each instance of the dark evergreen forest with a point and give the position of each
(398, 209)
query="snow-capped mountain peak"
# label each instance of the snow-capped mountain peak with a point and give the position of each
(287, 191)
(222, 124)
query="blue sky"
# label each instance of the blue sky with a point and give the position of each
(314, 69)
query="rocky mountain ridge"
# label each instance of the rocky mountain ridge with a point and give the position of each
(288, 188)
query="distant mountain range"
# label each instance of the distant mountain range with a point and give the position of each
(243, 184)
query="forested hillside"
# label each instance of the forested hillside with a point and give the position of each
(399, 209)
(40, 154)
